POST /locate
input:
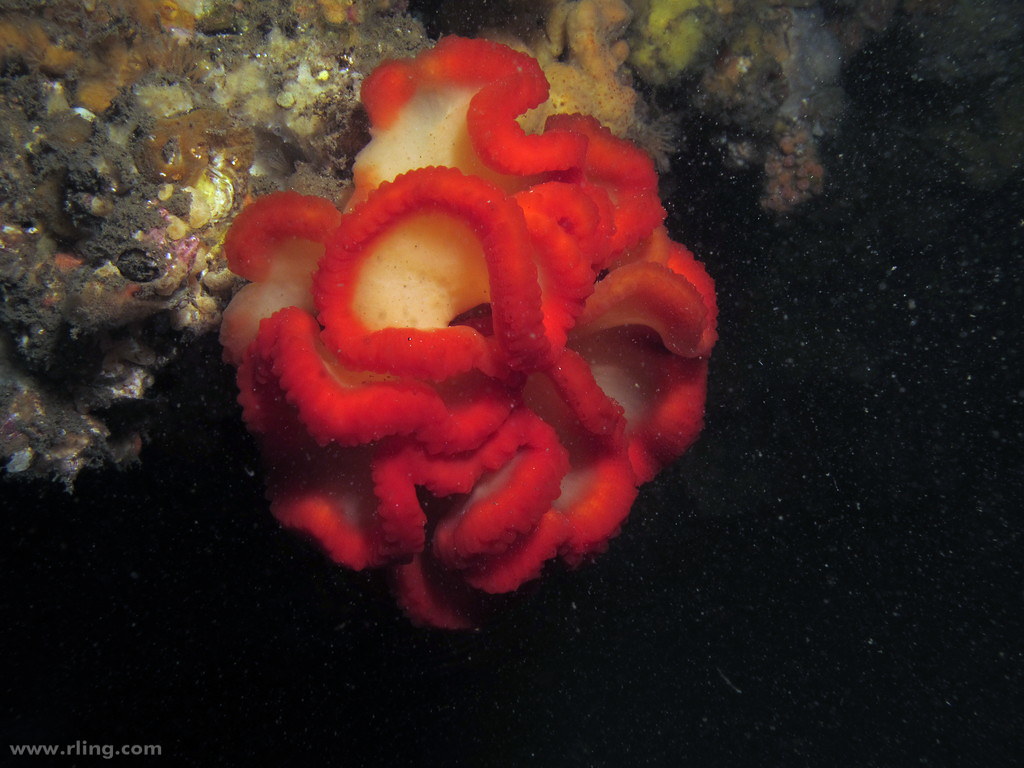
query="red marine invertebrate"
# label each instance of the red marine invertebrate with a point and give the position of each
(470, 371)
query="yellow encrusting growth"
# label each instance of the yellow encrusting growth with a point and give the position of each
(668, 36)
(582, 54)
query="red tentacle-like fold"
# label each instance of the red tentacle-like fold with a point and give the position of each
(469, 372)
(360, 277)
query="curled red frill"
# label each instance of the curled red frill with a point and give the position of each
(507, 84)
(440, 352)
(466, 376)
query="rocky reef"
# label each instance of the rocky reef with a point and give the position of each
(134, 131)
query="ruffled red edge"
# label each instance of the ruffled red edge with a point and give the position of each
(509, 82)
(564, 493)
(251, 243)
(518, 339)
(624, 171)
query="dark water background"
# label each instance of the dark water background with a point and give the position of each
(831, 577)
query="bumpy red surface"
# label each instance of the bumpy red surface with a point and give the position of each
(464, 454)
